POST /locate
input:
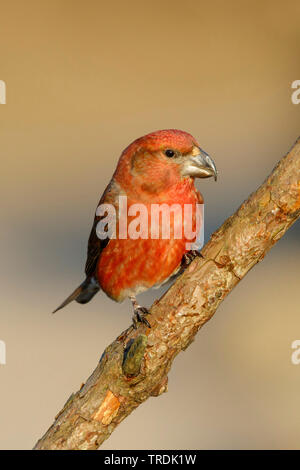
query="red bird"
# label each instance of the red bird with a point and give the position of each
(158, 168)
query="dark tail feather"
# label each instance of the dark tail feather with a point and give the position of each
(83, 294)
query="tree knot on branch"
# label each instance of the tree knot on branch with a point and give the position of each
(133, 356)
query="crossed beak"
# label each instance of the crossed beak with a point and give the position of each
(200, 165)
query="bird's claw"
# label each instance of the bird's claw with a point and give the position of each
(189, 256)
(140, 317)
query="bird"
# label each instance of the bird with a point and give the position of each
(158, 169)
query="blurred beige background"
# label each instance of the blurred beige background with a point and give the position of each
(85, 78)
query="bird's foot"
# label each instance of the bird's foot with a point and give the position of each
(189, 256)
(140, 314)
(140, 317)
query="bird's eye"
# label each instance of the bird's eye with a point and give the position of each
(169, 153)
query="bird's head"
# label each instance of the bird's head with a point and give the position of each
(159, 159)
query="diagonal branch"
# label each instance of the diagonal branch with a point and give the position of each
(135, 366)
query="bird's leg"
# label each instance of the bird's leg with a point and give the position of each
(139, 313)
(189, 256)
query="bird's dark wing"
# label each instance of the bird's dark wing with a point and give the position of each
(95, 247)
(89, 287)
(96, 244)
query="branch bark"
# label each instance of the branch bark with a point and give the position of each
(135, 366)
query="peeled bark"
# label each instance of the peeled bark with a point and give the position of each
(135, 366)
